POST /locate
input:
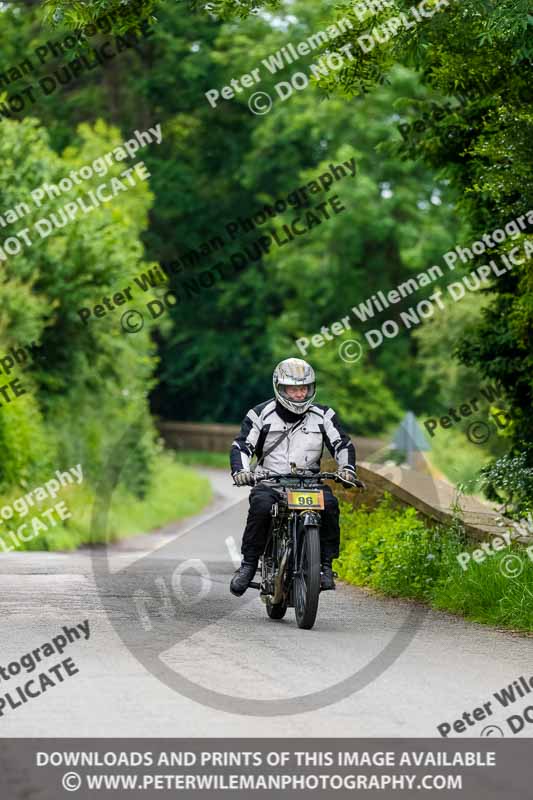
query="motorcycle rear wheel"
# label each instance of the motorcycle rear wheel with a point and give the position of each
(274, 610)
(307, 583)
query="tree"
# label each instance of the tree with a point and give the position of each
(81, 381)
(216, 165)
(473, 122)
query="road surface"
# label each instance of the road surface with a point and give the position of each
(172, 653)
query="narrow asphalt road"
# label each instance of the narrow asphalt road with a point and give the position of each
(172, 653)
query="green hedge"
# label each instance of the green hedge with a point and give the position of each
(394, 551)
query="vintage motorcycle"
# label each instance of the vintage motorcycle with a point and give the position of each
(290, 564)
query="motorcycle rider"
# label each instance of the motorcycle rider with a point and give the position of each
(289, 428)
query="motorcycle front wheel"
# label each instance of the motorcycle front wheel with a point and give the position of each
(307, 582)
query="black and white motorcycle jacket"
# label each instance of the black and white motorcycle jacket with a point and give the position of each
(304, 445)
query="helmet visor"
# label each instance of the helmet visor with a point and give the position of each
(299, 394)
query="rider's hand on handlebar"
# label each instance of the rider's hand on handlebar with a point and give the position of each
(348, 477)
(244, 478)
(346, 474)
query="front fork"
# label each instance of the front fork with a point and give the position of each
(301, 521)
(298, 521)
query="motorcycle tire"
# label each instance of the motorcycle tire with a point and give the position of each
(307, 584)
(276, 610)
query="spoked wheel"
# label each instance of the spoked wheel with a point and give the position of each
(307, 583)
(274, 610)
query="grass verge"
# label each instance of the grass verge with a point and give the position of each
(199, 458)
(392, 550)
(176, 492)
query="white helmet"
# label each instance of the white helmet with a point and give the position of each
(294, 372)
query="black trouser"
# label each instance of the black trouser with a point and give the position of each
(259, 517)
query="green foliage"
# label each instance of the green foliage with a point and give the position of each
(447, 381)
(203, 458)
(71, 14)
(88, 380)
(510, 481)
(393, 551)
(228, 9)
(478, 54)
(459, 459)
(485, 594)
(398, 219)
(358, 392)
(463, 74)
(27, 446)
(128, 515)
(471, 104)
(175, 493)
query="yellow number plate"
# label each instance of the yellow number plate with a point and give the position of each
(303, 500)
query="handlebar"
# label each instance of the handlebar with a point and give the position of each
(356, 483)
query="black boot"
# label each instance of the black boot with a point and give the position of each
(243, 577)
(327, 580)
